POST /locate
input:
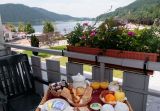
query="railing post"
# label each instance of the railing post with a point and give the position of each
(53, 70)
(97, 76)
(73, 69)
(136, 87)
(36, 66)
(96, 73)
(102, 71)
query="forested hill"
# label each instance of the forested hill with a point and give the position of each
(21, 13)
(140, 9)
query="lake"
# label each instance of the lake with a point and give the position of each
(64, 27)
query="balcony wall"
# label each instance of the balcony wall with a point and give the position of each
(135, 83)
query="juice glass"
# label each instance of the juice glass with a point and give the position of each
(104, 84)
(95, 85)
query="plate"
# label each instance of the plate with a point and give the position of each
(95, 106)
(56, 104)
(102, 97)
(108, 92)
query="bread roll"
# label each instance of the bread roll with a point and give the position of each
(87, 95)
(66, 94)
(80, 91)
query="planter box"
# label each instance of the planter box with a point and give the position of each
(84, 50)
(113, 53)
(131, 55)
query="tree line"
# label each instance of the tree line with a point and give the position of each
(140, 11)
(28, 28)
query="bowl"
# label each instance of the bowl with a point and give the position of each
(105, 92)
(79, 104)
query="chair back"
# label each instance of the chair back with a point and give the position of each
(15, 75)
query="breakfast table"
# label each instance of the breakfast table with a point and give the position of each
(95, 99)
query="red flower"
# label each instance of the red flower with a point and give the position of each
(93, 33)
(83, 37)
(85, 24)
(131, 33)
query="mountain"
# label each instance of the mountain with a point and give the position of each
(54, 16)
(20, 13)
(146, 9)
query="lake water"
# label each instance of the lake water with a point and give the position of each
(64, 27)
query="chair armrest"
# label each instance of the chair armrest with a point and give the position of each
(41, 81)
(3, 98)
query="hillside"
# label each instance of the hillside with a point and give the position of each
(55, 16)
(18, 12)
(146, 9)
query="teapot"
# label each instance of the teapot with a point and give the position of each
(79, 81)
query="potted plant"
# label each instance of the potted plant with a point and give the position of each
(83, 40)
(34, 43)
(136, 44)
(114, 40)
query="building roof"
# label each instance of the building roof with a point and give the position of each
(36, 34)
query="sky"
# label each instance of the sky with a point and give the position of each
(76, 8)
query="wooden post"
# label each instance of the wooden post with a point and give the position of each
(96, 74)
(36, 66)
(102, 71)
(136, 88)
(53, 70)
(108, 75)
(73, 69)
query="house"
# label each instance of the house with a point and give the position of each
(8, 34)
(21, 35)
(37, 34)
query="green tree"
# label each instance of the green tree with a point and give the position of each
(29, 29)
(34, 43)
(48, 27)
(11, 27)
(21, 27)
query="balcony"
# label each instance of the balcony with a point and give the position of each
(143, 91)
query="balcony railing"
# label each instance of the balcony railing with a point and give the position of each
(135, 83)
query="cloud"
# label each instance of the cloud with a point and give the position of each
(77, 8)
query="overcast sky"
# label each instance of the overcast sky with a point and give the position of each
(77, 8)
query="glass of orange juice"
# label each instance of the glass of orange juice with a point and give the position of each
(104, 84)
(95, 85)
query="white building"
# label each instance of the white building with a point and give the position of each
(21, 35)
(37, 34)
(8, 34)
